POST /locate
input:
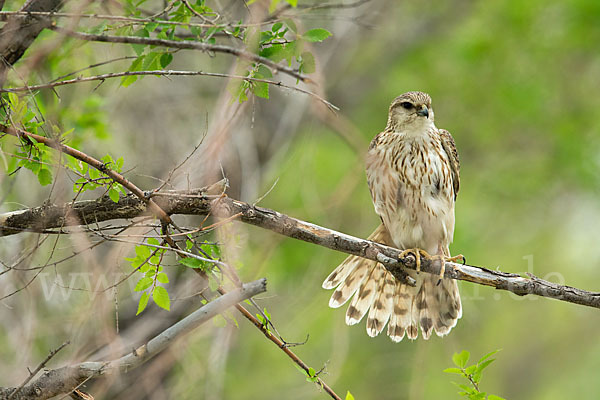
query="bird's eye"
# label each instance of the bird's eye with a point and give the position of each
(407, 105)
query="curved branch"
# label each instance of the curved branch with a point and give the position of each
(197, 202)
(66, 379)
(185, 45)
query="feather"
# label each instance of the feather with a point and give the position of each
(381, 309)
(364, 297)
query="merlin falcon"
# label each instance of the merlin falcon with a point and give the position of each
(413, 175)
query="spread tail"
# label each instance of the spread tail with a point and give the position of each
(403, 308)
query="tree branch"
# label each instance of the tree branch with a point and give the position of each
(186, 45)
(66, 379)
(99, 165)
(166, 73)
(17, 34)
(197, 202)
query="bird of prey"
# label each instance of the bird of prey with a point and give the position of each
(413, 175)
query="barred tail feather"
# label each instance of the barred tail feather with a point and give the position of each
(351, 283)
(405, 309)
(381, 310)
(363, 299)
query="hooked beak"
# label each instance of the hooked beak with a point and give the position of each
(423, 111)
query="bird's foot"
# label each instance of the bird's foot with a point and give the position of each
(455, 259)
(397, 269)
(444, 260)
(418, 253)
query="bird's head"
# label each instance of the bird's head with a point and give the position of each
(410, 111)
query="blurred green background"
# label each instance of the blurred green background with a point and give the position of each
(516, 83)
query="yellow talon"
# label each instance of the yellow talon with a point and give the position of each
(457, 258)
(418, 253)
(444, 260)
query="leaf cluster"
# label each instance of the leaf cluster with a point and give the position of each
(472, 374)
(147, 262)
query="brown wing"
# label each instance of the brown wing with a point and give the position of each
(450, 148)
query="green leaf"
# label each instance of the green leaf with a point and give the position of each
(136, 65)
(276, 52)
(166, 59)
(152, 61)
(488, 355)
(162, 278)
(191, 262)
(483, 365)
(143, 303)
(292, 3)
(94, 173)
(139, 48)
(291, 24)
(151, 26)
(316, 35)
(308, 62)
(143, 284)
(311, 371)
(471, 369)
(293, 49)
(142, 251)
(276, 26)
(349, 396)
(161, 298)
(453, 371)
(461, 359)
(44, 176)
(153, 241)
(467, 389)
(260, 89)
(476, 377)
(264, 71)
(114, 195)
(494, 397)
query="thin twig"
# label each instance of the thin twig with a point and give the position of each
(164, 73)
(39, 367)
(99, 165)
(187, 45)
(5, 15)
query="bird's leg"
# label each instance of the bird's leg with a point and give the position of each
(417, 253)
(443, 259)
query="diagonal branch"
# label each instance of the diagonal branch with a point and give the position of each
(99, 165)
(197, 202)
(66, 379)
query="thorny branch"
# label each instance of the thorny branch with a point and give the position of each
(196, 202)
